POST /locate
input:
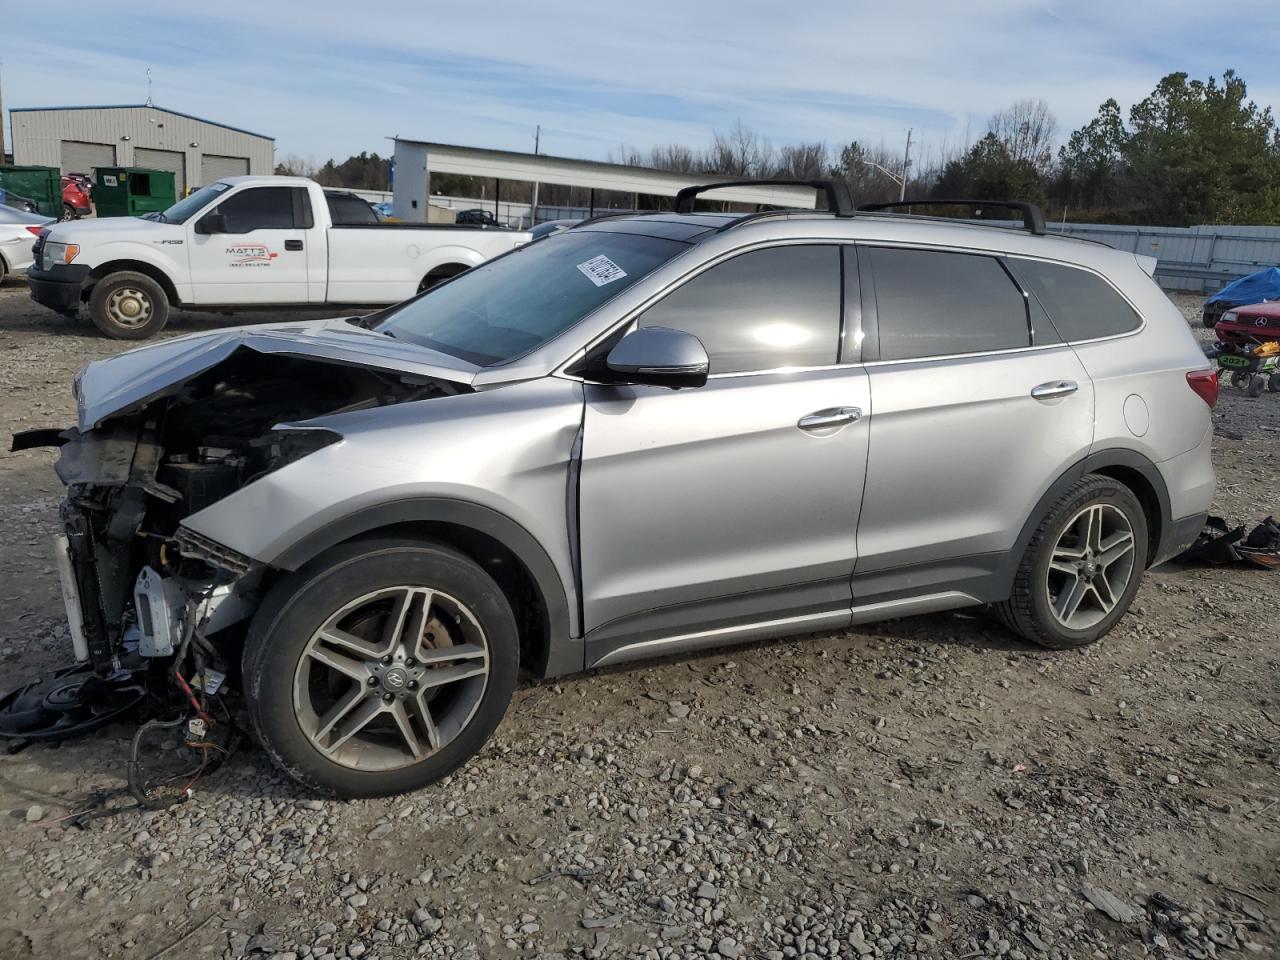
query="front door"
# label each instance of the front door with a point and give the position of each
(262, 258)
(979, 407)
(706, 513)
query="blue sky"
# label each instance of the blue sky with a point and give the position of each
(330, 79)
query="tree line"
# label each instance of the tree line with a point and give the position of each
(1192, 151)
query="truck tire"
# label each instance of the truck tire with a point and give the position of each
(128, 306)
(380, 667)
(1082, 568)
(69, 212)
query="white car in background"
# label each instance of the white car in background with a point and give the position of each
(18, 232)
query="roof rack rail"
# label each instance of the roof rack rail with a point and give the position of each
(1032, 217)
(839, 200)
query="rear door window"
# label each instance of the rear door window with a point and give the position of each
(763, 310)
(932, 303)
(1081, 304)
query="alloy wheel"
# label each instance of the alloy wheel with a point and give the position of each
(391, 678)
(1091, 566)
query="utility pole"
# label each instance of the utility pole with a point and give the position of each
(1, 114)
(533, 206)
(906, 166)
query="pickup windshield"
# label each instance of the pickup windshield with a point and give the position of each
(507, 307)
(183, 210)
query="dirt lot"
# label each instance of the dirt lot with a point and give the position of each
(923, 787)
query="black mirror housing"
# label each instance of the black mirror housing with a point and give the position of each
(660, 357)
(212, 223)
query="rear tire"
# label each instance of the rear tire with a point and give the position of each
(380, 667)
(129, 306)
(1273, 383)
(1257, 384)
(69, 212)
(1082, 568)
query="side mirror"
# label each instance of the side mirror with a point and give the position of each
(212, 223)
(660, 357)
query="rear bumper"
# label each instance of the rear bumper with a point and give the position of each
(59, 287)
(1178, 536)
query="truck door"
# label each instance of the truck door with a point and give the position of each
(252, 248)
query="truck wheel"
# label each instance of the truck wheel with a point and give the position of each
(69, 212)
(1257, 384)
(1082, 567)
(380, 667)
(128, 306)
(1273, 382)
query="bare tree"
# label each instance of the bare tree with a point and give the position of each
(1028, 130)
(739, 153)
(673, 156)
(805, 161)
(292, 165)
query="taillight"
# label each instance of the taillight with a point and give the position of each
(1205, 384)
(35, 230)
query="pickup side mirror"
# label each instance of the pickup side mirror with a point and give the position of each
(660, 357)
(212, 223)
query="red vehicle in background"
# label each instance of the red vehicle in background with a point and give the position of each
(76, 200)
(1257, 322)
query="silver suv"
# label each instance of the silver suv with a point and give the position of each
(641, 436)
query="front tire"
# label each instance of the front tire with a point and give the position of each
(381, 667)
(1082, 568)
(128, 306)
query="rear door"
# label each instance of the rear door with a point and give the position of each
(704, 511)
(263, 256)
(979, 407)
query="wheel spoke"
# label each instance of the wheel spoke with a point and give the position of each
(408, 610)
(1063, 564)
(405, 725)
(325, 725)
(463, 651)
(441, 676)
(354, 722)
(1101, 588)
(1069, 598)
(1094, 526)
(422, 713)
(1116, 546)
(349, 643)
(339, 661)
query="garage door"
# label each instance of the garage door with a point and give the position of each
(170, 160)
(214, 167)
(79, 157)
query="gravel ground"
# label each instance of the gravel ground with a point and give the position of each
(924, 787)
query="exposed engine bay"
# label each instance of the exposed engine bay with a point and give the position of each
(156, 612)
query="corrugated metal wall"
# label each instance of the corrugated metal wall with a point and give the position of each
(1200, 258)
(38, 137)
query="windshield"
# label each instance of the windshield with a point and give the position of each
(505, 308)
(182, 211)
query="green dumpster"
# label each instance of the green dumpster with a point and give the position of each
(132, 191)
(40, 184)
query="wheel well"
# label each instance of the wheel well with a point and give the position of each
(507, 570)
(443, 272)
(1147, 496)
(137, 266)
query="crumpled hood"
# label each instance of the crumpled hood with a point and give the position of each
(130, 380)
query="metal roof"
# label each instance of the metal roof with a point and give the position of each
(145, 106)
(541, 168)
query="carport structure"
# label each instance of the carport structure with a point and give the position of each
(417, 160)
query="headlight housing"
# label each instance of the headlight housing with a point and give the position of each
(59, 253)
(1229, 317)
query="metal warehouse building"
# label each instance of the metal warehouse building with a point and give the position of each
(77, 139)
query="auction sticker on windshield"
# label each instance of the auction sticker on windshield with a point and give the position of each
(601, 270)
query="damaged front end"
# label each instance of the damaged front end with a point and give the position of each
(156, 611)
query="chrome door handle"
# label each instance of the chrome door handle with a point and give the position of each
(831, 417)
(1054, 388)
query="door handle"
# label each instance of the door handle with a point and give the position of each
(293, 244)
(831, 417)
(1054, 389)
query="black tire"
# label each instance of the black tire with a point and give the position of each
(1028, 611)
(116, 294)
(1240, 379)
(300, 604)
(1257, 384)
(4, 271)
(69, 212)
(1273, 383)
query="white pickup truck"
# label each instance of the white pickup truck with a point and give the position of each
(248, 242)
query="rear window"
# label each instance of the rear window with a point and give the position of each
(1081, 304)
(348, 210)
(933, 304)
